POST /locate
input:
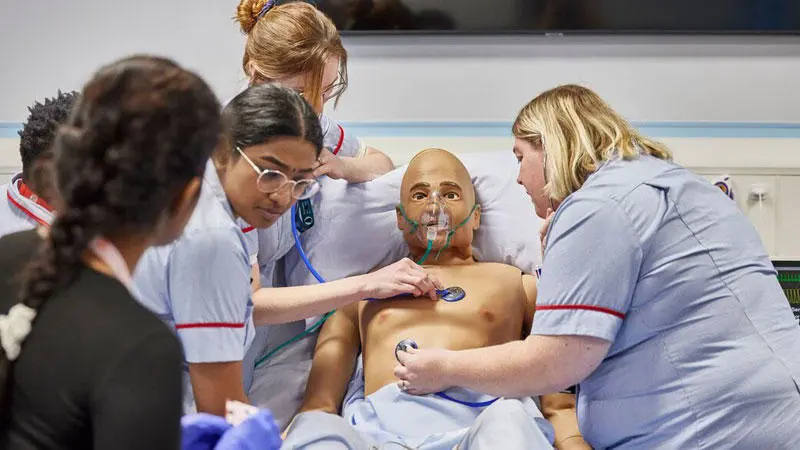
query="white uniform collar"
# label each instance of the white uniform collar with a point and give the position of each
(35, 212)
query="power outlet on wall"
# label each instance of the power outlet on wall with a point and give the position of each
(758, 192)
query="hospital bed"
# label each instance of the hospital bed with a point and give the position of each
(355, 231)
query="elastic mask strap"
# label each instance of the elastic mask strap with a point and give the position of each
(453, 230)
(466, 219)
(414, 226)
(446, 243)
(414, 223)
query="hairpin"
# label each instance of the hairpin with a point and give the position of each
(265, 9)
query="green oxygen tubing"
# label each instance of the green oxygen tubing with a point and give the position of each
(318, 324)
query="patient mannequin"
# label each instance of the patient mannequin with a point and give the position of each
(498, 307)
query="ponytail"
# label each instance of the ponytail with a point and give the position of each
(54, 268)
(142, 128)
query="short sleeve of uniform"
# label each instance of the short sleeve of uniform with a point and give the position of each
(339, 140)
(209, 287)
(590, 270)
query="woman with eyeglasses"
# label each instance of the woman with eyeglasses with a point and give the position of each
(294, 44)
(200, 284)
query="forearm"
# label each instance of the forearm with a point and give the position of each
(335, 358)
(535, 366)
(559, 410)
(288, 304)
(368, 167)
(327, 384)
(215, 383)
(508, 370)
(213, 402)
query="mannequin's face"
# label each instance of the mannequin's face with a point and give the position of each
(438, 171)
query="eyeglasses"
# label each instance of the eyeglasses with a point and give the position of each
(270, 181)
(327, 94)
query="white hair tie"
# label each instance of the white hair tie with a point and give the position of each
(14, 328)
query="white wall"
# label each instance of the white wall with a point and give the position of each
(673, 79)
(45, 46)
(724, 104)
(50, 45)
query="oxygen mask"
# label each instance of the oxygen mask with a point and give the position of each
(435, 224)
(435, 221)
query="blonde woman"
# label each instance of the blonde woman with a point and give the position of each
(656, 297)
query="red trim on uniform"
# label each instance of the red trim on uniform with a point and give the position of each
(26, 211)
(183, 326)
(341, 140)
(583, 307)
(26, 192)
(248, 229)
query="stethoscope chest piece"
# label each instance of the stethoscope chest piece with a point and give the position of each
(452, 294)
(404, 345)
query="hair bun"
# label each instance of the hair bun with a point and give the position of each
(248, 12)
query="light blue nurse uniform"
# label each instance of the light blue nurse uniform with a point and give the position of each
(705, 350)
(200, 284)
(280, 382)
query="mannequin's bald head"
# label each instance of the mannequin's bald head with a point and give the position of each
(434, 168)
(438, 170)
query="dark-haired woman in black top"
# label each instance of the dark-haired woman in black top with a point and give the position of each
(83, 365)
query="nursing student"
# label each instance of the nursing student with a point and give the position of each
(200, 285)
(656, 296)
(25, 201)
(296, 45)
(82, 364)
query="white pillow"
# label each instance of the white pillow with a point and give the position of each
(355, 228)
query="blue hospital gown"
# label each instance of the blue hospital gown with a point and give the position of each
(705, 350)
(200, 284)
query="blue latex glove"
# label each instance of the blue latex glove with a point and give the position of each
(258, 432)
(202, 431)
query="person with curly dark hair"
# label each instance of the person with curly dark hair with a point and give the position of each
(26, 201)
(83, 364)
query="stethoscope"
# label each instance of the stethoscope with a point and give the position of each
(450, 294)
(305, 219)
(405, 344)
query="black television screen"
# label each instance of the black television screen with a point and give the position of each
(564, 16)
(789, 278)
